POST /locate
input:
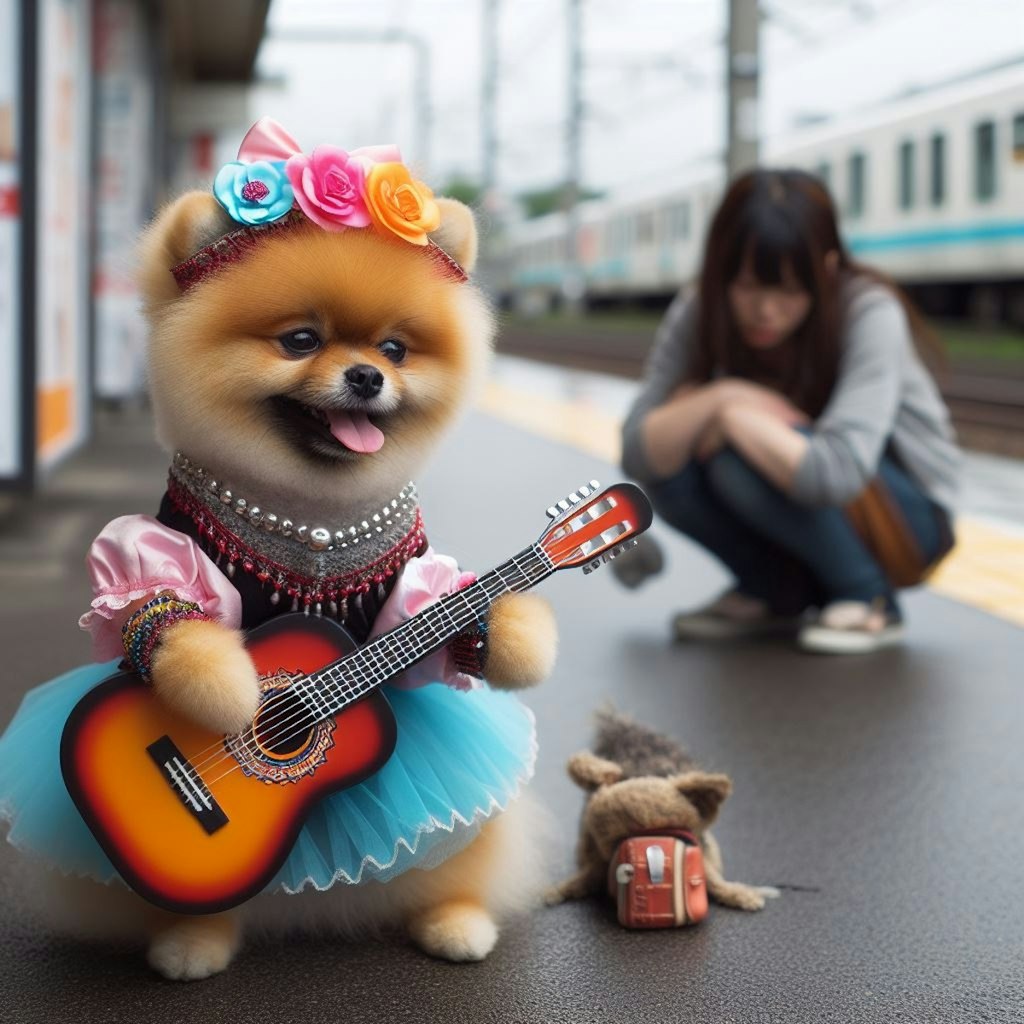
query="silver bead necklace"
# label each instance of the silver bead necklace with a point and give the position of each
(315, 538)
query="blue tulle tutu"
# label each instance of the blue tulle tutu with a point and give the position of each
(461, 757)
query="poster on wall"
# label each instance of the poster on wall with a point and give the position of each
(62, 266)
(11, 468)
(124, 106)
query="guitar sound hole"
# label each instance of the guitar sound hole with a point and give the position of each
(283, 727)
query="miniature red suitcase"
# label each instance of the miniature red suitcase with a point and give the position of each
(658, 881)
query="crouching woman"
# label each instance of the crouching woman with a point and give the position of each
(787, 423)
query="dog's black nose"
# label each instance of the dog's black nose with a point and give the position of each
(366, 381)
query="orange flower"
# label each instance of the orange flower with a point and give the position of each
(401, 204)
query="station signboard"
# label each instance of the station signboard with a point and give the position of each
(124, 191)
(62, 174)
(12, 412)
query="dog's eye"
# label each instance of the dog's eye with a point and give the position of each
(391, 349)
(302, 342)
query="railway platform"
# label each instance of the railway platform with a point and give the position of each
(881, 794)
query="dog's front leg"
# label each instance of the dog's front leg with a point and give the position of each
(190, 948)
(522, 641)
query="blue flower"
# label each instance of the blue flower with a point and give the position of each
(255, 193)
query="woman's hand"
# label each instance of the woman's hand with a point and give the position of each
(766, 441)
(735, 395)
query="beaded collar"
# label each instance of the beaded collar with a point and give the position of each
(313, 565)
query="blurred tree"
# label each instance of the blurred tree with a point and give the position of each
(466, 191)
(550, 200)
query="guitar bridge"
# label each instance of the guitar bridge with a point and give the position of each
(186, 782)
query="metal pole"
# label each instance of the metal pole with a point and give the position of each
(572, 282)
(424, 128)
(488, 105)
(742, 72)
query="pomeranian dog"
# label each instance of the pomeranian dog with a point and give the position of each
(318, 373)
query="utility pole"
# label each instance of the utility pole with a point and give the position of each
(488, 107)
(572, 280)
(742, 72)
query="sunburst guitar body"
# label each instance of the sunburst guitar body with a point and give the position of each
(197, 822)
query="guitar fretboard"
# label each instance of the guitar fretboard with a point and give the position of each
(335, 687)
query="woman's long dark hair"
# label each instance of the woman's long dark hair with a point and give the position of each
(782, 222)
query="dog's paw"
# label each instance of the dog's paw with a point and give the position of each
(455, 931)
(522, 641)
(203, 670)
(190, 951)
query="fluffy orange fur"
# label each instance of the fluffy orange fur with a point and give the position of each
(216, 364)
(216, 368)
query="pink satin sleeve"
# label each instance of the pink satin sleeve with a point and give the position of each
(423, 580)
(136, 557)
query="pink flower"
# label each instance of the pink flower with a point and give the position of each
(329, 187)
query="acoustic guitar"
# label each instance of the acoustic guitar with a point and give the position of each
(197, 822)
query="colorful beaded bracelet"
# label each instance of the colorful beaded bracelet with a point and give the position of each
(142, 632)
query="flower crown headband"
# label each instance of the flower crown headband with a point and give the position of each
(273, 185)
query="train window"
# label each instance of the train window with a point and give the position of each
(906, 174)
(985, 160)
(856, 202)
(644, 228)
(621, 234)
(1018, 138)
(937, 190)
(680, 220)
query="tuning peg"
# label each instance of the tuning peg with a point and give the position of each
(554, 511)
(591, 566)
(619, 548)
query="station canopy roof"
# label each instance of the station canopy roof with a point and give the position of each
(216, 42)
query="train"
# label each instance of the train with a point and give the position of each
(929, 187)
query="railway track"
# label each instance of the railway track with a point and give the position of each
(986, 399)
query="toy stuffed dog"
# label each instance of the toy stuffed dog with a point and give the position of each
(312, 335)
(638, 781)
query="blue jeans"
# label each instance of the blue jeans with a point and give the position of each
(790, 555)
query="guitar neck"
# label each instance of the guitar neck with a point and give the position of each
(345, 681)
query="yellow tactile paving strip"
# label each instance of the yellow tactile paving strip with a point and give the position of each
(985, 570)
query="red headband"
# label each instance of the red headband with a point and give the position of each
(236, 245)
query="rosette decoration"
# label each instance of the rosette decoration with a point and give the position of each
(335, 188)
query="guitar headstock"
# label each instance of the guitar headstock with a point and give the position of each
(590, 527)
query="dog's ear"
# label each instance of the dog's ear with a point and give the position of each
(182, 228)
(457, 233)
(705, 791)
(589, 771)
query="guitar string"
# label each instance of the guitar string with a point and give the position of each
(353, 677)
(358, 669)
(369, 682)
(335, 688)
(536, 551)
(361, 681)
(535, 557)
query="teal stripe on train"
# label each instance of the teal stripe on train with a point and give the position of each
(967, 234)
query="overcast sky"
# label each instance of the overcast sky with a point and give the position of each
(652, 83)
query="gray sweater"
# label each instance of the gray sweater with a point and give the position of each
(883, 397)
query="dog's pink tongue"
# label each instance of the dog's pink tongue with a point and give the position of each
(354, 430)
